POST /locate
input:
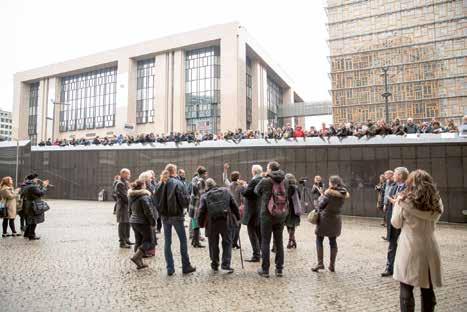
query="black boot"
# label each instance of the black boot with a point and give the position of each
(332, 263)
(138, 259)
(319, 265)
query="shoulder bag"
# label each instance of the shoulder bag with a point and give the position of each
(39, 206)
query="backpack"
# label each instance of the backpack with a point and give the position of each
(217, 207)
(278, 205)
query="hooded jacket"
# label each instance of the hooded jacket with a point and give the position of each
(264, 191)
(418, 257)
(330, 208)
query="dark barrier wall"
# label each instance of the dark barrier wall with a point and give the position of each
(8, 152)
(80, 174)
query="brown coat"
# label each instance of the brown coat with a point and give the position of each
(329, 207)
(417, 250)
(9, 195)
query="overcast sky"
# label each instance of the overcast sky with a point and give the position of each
(40, 32)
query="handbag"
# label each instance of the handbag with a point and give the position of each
(3, 209)
(297, 205)
(313, 217)
(39, 207)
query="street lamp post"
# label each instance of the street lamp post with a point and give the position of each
(386, 93)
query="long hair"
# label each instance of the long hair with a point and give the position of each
(422, 192)
(6, 181)
(164, 176)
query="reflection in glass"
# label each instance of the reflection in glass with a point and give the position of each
(33, 105)
(274, 100)
(88, 100)
(145, 91)
(202, 89)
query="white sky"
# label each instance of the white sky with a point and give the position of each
(35, 33)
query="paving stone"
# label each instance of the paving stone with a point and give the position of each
(77, 266)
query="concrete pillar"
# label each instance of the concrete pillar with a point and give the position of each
(233, 94)
(260, 96)
(122, 107)
(288, 98)
(41, 109)
(161, 92)
(20, 114)
(179, 121)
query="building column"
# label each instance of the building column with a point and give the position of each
(179, 120)
(260, 96)
(42, 109)
(123, 107)
(288, 98)
(161, 88)
(20, 115)
(232, 81)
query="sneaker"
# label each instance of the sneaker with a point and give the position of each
(386, 274)
(126, 246)
(214, 267)
(4, 235)
(170, 273)
(279, 273)
(262, 273)
(190, 269)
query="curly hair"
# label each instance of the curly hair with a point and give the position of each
(422, 192)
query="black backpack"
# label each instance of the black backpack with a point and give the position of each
(217, 206)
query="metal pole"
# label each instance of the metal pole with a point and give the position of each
(17, 165)
(386, 93)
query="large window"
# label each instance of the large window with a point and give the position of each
(33, 106)
(249, 94)
(145, 91)
(274, 100)
(202, 92)
(88, 100)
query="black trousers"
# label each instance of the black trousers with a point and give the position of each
(275, 230)
(407, 301)
(254, 234)
(236, 235)
(218, 230)
(143, 236)
(392, 248)
(30, 230)
(11, 222)
(22, 223)
(123, 232)
(159, 224)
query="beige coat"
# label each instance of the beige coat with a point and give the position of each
(417, 250)
(9, 195)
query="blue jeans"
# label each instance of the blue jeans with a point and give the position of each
(180, 229)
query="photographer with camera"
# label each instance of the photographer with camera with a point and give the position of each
(34, 207)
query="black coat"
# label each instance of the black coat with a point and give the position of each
(30, 192)
(252, 209)
(264, 191)
(330, 207)
(218, 225)
(292, 219)
(173, 198)
(121, 191)
(141, 207)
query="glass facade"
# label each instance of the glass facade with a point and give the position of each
(145, 91)
(249, 94)
(274, 100)
(88, 100)
(202, 89)
(33, 106)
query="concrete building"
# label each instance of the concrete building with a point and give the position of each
(212, 79)
(423, 43)
(5, 126)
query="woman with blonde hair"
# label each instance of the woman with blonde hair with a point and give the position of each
(8, 196)
(418, 262)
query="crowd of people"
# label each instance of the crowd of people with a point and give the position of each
(267, 204)
(270, 202)
(287, 132)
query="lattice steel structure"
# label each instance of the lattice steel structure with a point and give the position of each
(423, 42)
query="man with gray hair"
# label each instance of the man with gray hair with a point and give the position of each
(219, 213)
(384, 199)
(251, 213)
(400, 176)
(121, 209)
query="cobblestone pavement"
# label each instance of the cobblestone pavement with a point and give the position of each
(77, 266)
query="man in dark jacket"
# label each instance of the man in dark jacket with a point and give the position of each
(121, 192)
(198, 184)
(384, 199)
(271, 225)
(172, 202)
(220, 211)
(411, 127)
(32, 190)
(251, 216)
(400, 176)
